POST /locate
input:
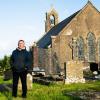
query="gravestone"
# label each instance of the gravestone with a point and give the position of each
(29, 83)
(74, 72)
(7, 75)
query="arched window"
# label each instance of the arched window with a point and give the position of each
(52, 20)
(91, 47)
(80, 47)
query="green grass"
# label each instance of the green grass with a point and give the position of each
(4, 82)
(53, 91)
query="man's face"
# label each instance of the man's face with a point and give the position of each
(21, 44)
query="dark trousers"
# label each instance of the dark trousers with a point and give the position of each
(23, 77)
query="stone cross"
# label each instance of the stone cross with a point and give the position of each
(73, 46)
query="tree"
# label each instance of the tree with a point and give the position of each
(5, 63)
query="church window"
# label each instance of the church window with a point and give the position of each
(91, 47)
(52, 20)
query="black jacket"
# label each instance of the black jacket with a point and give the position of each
(20, 60)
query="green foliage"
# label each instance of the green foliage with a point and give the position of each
(5, 63)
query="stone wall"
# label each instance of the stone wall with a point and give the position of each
(86, 21)
(46, 59)
(35, 56)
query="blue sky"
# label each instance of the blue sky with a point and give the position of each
(24, 19)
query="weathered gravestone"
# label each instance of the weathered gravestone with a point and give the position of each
(74, 72)
(29, 83)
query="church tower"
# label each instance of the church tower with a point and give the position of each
(51, 19)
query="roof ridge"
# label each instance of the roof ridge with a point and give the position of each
(89, 2)
(80, 11)
(46, 39)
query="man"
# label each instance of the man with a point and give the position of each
(20, 63)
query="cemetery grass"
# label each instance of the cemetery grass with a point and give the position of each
(51, 92)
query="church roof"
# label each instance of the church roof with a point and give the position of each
(45, 41)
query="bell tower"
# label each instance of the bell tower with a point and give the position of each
(51, 19)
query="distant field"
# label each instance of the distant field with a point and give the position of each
(53, 91)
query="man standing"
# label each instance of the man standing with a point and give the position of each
(20, 63)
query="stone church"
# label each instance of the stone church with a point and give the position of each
(75, 38)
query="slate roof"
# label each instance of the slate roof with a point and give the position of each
(45, 41)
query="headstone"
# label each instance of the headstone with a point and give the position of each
(7, 75)
(29, 83)
(74, 72)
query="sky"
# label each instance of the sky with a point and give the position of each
(24, 19)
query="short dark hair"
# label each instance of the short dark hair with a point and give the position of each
(20, 41)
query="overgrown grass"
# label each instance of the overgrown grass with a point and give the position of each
(58, 91)
(53, 91)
